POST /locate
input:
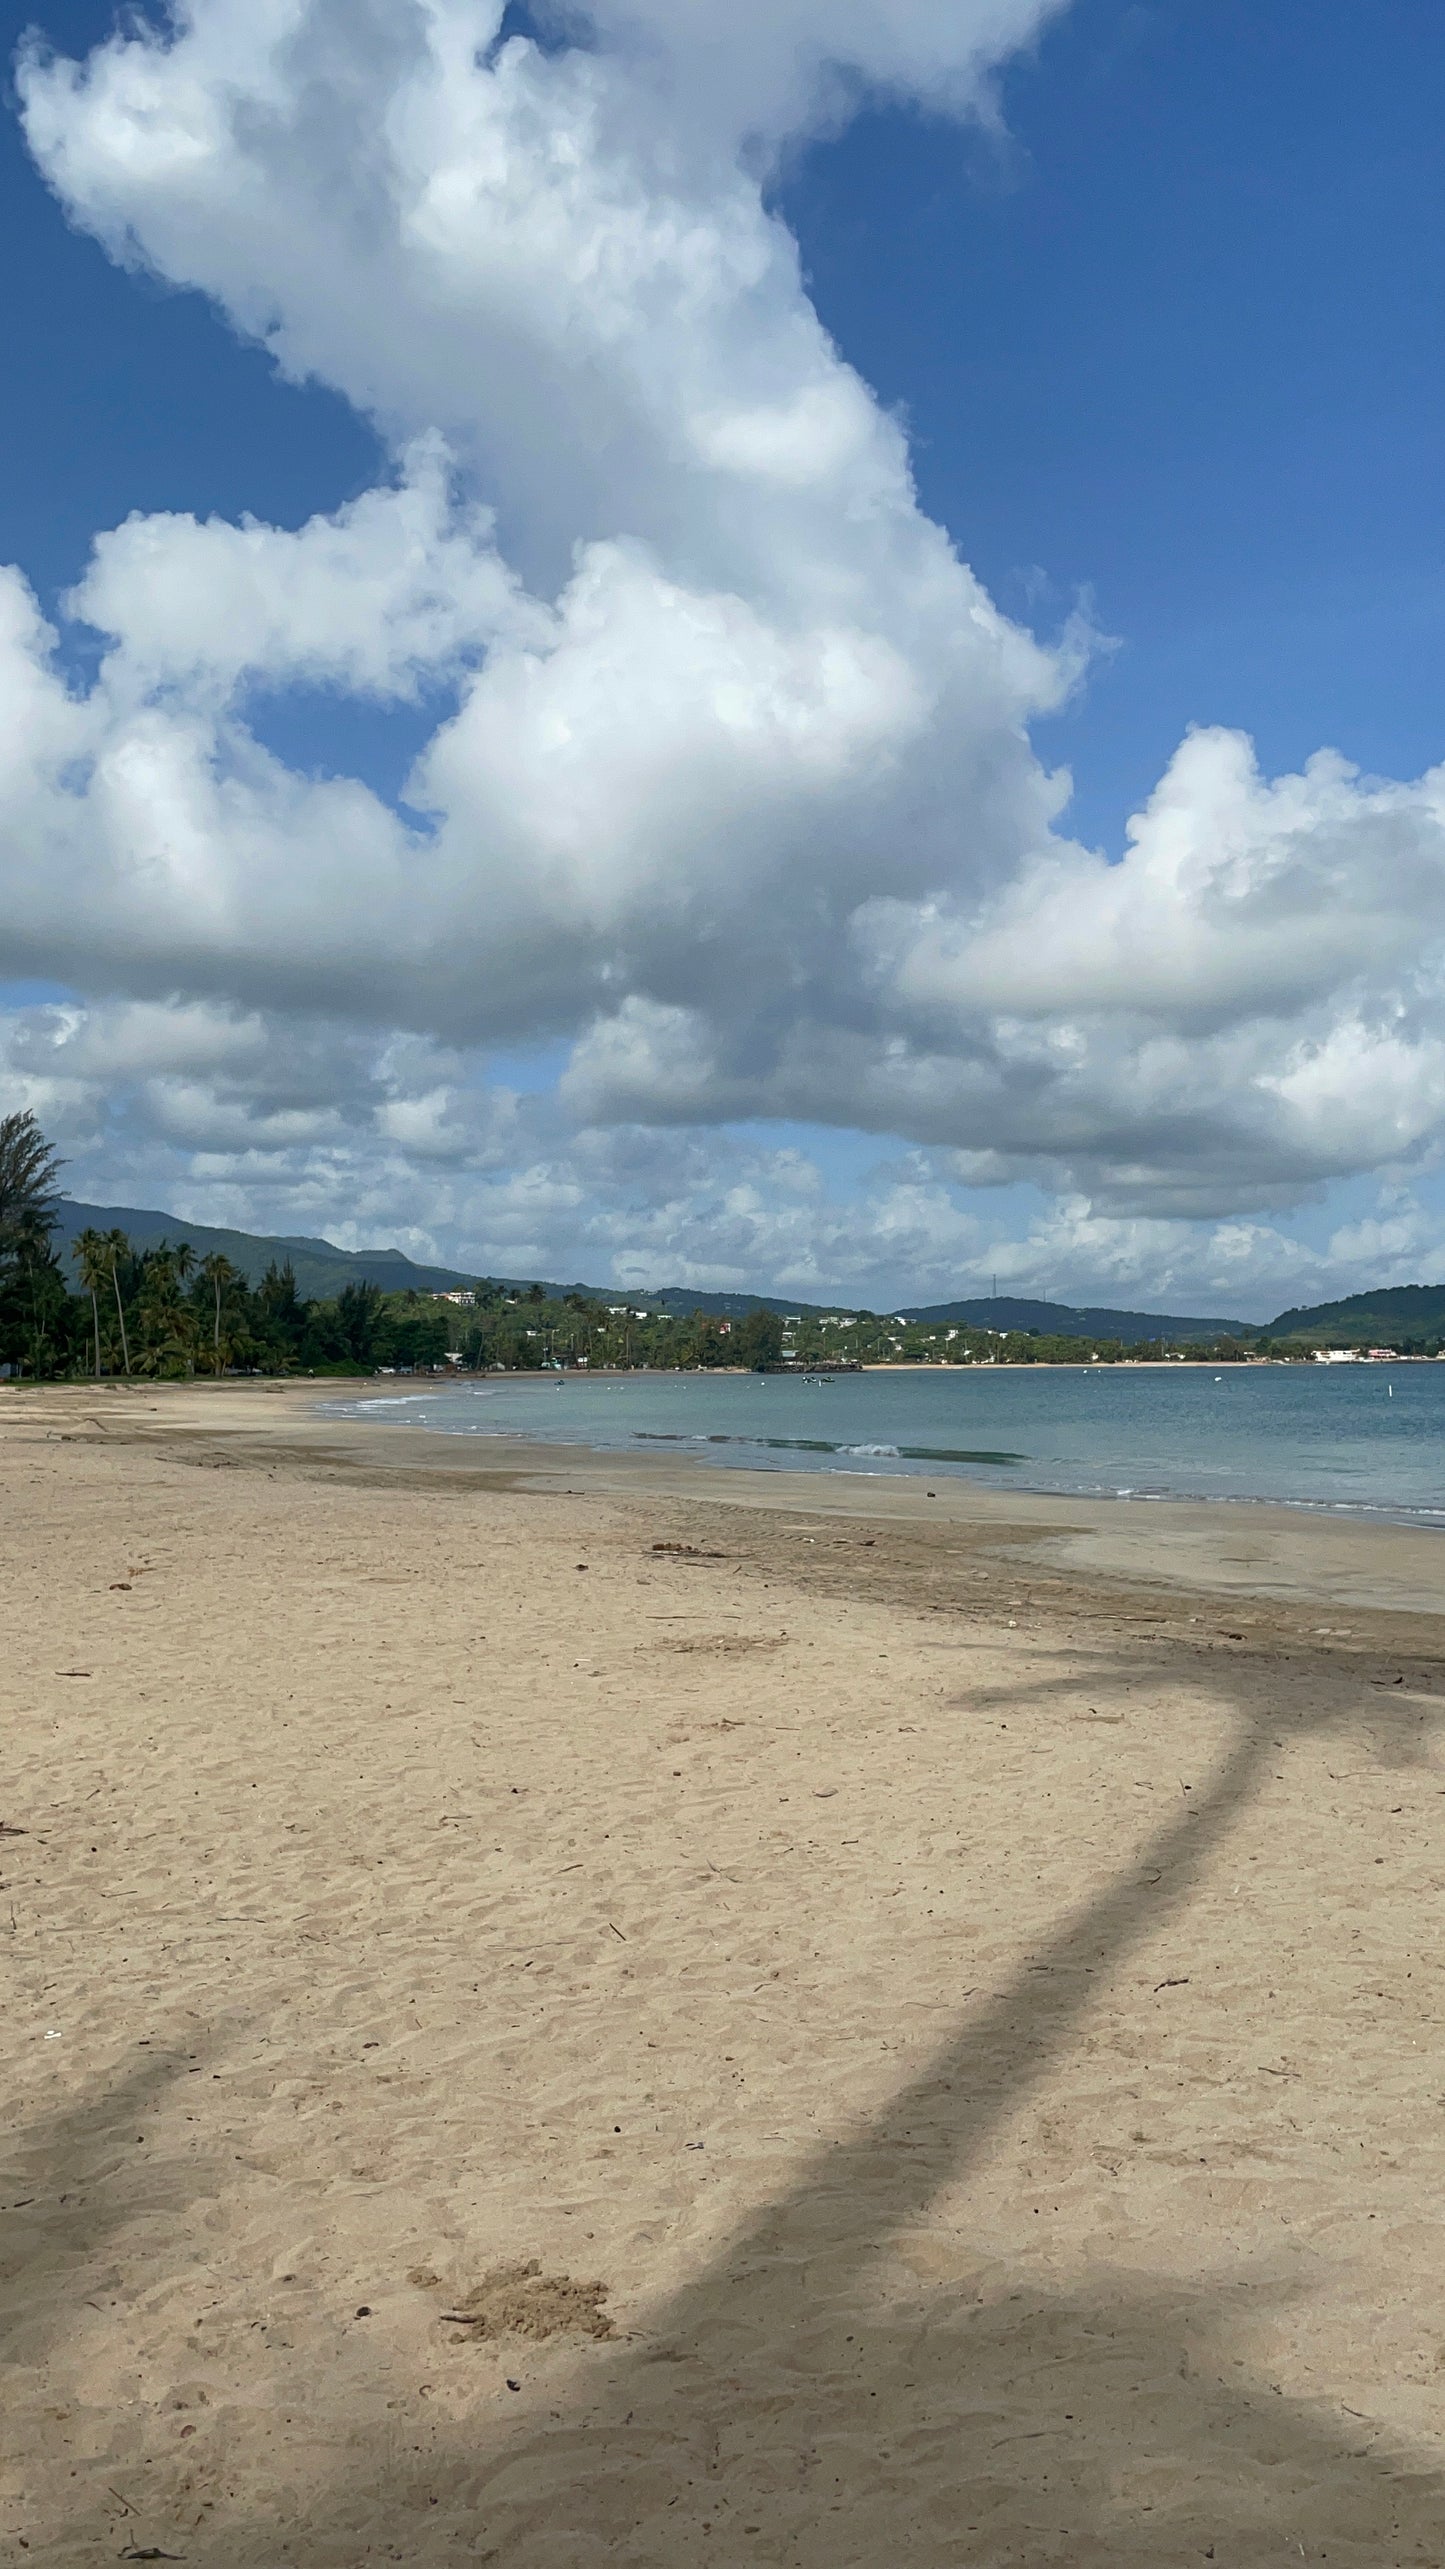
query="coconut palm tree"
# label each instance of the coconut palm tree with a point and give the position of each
(166, 1320)
(117, 1246)
(219, 1275)
(92, 1257)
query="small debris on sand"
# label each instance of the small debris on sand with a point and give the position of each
(722, 1644)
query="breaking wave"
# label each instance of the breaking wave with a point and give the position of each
(831, 1445)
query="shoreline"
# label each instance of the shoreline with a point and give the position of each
(1293, 1557)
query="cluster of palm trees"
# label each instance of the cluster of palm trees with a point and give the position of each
(158, 1285)
(166, 1314)
(98, 1255)
(151, 1311)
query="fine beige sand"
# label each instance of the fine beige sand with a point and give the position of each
(905, 2031)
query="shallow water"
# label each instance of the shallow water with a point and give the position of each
(1367, 1439)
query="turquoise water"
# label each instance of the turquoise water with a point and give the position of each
(1369, 1439)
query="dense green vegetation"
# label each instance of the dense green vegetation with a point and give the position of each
(161, 1312)
(157, 1311)
(152, 1308)
(34, 1303)
(165, 1315)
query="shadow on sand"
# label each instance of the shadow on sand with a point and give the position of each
(71, 2185)
(782, 2411)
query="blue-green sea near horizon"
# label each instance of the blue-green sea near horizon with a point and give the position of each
(1365, 1439)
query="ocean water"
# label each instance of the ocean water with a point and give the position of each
(1366, 1439)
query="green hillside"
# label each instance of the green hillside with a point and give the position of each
(1064, 1320)
(320, 1269)
(1401, 1312)
(1383, 1318)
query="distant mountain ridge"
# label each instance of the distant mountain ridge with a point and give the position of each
(321, 1270)
(1067, 1320)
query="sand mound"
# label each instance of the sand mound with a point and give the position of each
(520, 2301)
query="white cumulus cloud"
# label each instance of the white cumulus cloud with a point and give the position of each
(732, 786)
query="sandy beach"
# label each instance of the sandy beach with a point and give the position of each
(565, 2009)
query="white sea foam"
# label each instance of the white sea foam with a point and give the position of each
(386, 1400)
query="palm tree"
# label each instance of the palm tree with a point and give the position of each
(183, 1267)
(118, 1247)
(219, 1274)
(28, 1197)
(166, 1320)
(92, 1257)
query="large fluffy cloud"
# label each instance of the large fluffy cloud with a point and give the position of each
(309, 1126)
(734, 787)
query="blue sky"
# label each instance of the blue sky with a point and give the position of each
(1161, 336)
(1166, 344)
(1169, 344)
